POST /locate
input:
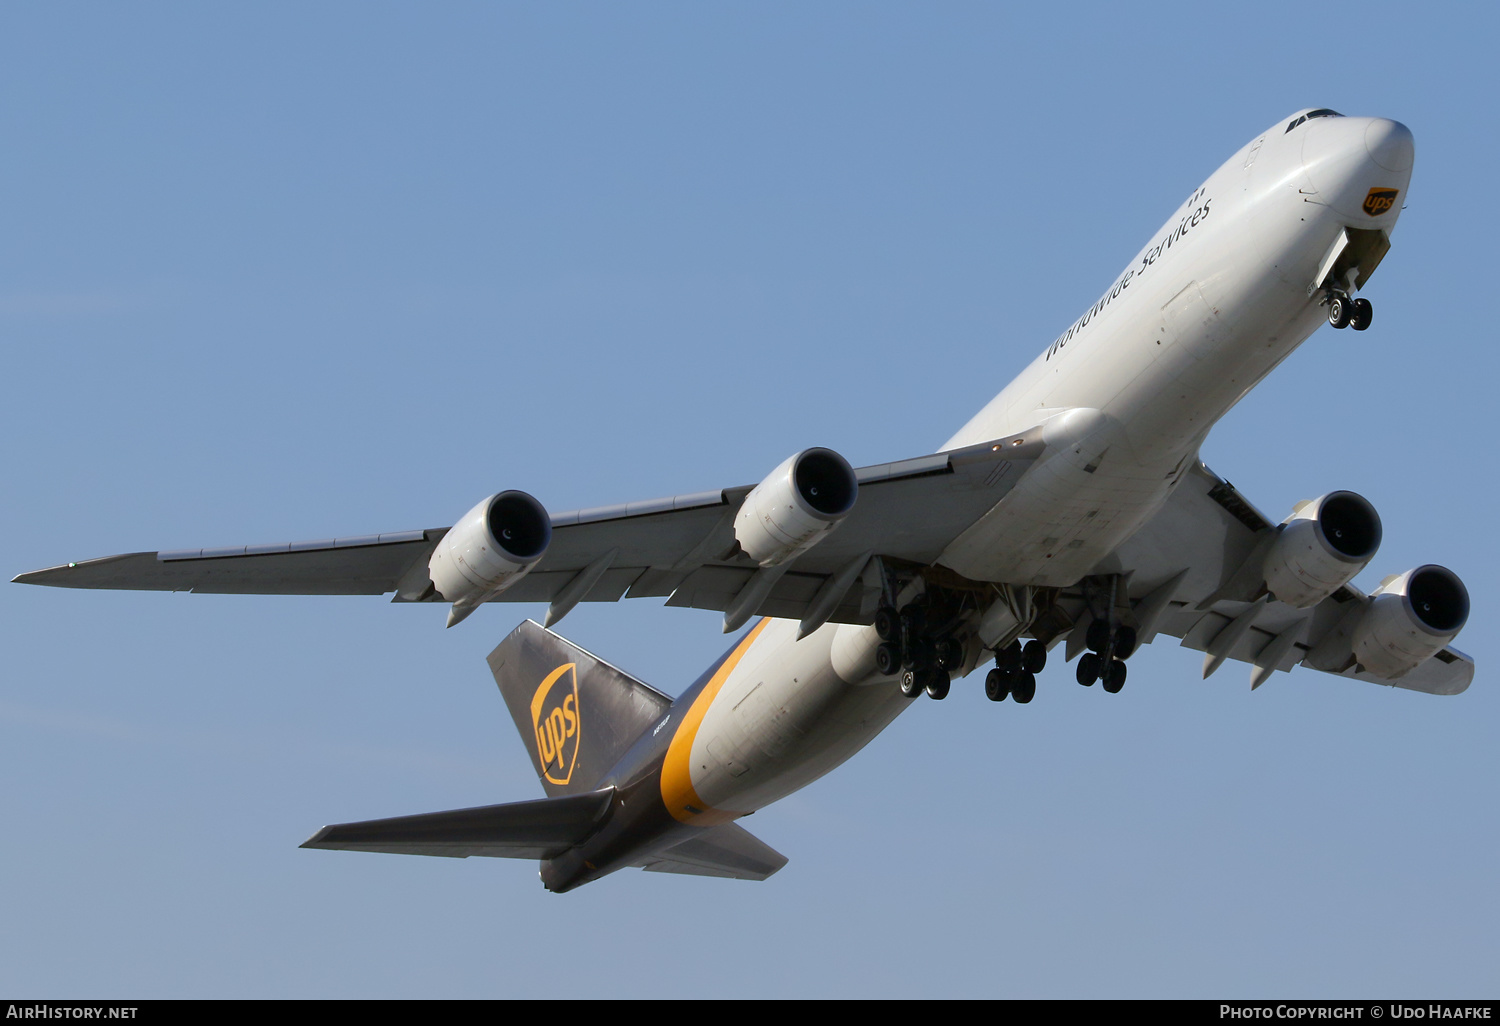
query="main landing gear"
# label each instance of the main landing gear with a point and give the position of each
(1109, 641)
(920, 643)
(1014, 675)
(1344, 312)
(923, 654)
(1109, 647)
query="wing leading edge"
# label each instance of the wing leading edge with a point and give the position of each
(681, 548)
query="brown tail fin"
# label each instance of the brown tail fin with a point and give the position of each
(577, 714)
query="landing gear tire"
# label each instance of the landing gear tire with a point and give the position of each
(1023, 689)
(1114, 677)
(887, 658)
(909, 686)
(1339, 311)
(938, 683)
(1124, 642)
(1034, 657)
(1362, 315)
(1009, 657)
(888, 624)
(997, 685)
(1088, 668)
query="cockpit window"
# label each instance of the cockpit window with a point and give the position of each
(1321, 112)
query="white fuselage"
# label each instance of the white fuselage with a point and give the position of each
(1217, 298)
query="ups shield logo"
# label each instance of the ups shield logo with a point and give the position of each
(554, 714)
(1378, 201)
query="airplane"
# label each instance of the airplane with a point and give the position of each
(1072, 511)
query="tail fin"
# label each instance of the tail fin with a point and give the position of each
(577, 714)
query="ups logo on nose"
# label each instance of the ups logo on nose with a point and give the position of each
(1378, 201)
(554, 714)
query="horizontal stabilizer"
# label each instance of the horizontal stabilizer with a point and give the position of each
(540, 829)
(726, 851)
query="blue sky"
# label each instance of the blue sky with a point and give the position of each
(293, 271)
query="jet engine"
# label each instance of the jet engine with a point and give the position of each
(488, 550)
(1410, 617)
(798, 502)
(1320, 548)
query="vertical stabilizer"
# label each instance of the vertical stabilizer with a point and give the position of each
(577, 714)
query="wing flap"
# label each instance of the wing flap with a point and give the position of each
(1314, 638)
(1450, 672)
(540, 829)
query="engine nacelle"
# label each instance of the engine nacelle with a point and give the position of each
(490, 549)
(1321, 547)
(797, 503)
(1410, 618)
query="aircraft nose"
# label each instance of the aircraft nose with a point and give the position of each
(1390, 144)
(1359, 167)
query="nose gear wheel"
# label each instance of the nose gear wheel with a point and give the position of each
(1362, 314)
(1347, 312)
(1340, 310)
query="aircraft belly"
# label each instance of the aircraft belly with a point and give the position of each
(783, 719)
(1060, 520)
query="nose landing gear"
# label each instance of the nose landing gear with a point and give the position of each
(1344, 312)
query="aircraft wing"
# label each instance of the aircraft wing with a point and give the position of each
(1195, 575)
(1192, 569)
(681, 547)
(366, 565)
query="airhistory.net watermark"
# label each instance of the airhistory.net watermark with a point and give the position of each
(40, 1010)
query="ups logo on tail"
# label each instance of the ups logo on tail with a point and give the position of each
(554, 714)
(1378, 201)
